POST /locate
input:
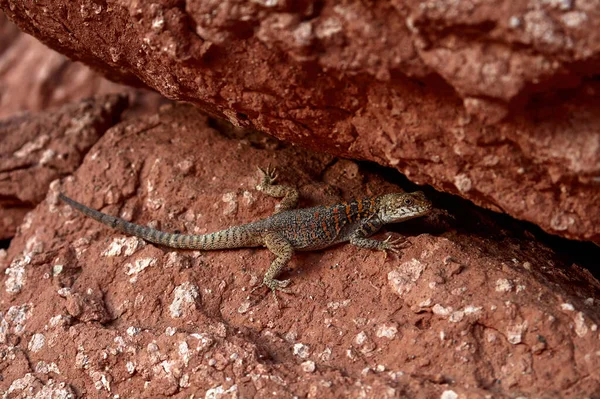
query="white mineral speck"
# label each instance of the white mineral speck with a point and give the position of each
(360, 339)
(503, 285)
(404, 278)
(131, 331)
(220, 392)
(138, 266)
(573, 19)
(301, 350)
(581, 328)
(170, 331)
(515, 332)
(463, 183)
(449, 395)
(514, 22)
(589, 301)
(130, 367)
(308, 366)
(37, 342)
(47, 156)
(16, 274)
(231, 204)
(426, 303)
(439, 310)
(472, 309)
(456, 317)
(567, 306)
(185, 296)
(244, 307)
(387, 331)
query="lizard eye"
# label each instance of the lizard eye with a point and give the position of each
(407, 201)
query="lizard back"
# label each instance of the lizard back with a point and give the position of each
(322, 226)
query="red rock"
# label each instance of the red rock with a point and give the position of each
(40, 148)
(473, 307)
(34, 78)
(492, 101)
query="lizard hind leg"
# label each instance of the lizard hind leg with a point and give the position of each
(283, 251)
(267, 185)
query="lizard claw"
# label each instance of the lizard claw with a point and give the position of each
(269, 175)
(393, 245)
(274, 286)
(281, 284)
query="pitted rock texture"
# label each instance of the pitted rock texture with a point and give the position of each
(494, 101)
(34, 78)
(40, 148)
(474, 307)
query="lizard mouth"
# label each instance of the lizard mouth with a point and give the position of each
(412, 214)
(422, 211)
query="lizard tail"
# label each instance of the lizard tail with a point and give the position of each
(231, 238)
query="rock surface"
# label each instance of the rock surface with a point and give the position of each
(34, 78)
(494, 101)
(474, 307)
(39, 148)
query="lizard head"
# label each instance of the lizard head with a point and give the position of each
(398, 207)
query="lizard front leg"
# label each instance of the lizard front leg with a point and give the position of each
(369, 227)
(283, 251)
(268, 186)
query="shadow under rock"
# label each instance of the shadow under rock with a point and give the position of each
(462, 216)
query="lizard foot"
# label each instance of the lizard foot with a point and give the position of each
(393, 245)
(274, 286)
(269, 177)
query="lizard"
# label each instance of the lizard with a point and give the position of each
(289, 230)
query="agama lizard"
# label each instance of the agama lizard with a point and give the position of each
(288, 229)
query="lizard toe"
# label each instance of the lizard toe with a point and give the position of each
(282, 283)
(257, 287)
(278, 285)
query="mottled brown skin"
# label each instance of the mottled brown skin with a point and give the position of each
(288, 229)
